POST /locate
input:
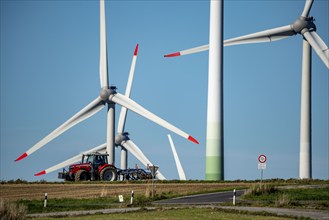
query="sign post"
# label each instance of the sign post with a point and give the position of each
(153, 169)
(261, 166)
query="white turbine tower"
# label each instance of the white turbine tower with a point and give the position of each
(179, 166)
(108, 96)
(215, 116)
(304, 26)
(215, 119)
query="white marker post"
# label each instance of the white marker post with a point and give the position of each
(261, 166)
(234, 195)
(45, 202)
(132, 197)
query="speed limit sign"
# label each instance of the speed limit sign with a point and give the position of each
(262, 158)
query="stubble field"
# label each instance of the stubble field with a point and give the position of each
(14, 192)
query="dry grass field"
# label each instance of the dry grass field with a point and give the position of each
(16, 192)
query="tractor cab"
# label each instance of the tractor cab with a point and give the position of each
(95, 159)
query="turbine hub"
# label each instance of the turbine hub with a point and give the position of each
(106, 92)
(121, 137)
(302, 24)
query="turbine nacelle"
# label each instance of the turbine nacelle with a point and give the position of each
(121, 137)
(303, 24)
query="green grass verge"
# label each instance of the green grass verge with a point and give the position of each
(181, 213)
(315, 198)
(62, 205)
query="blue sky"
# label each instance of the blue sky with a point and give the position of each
(50, 70)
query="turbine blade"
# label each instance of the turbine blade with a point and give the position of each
(188, 51)
(134, 150)
(135, 107)
(259, 37)
(307, 8)
(85, 113)
(269, 35)
(60, 165)
(71, 160)
(131, 72)
(123, 113)
(103, 48)
(179, 166)
(318, 45)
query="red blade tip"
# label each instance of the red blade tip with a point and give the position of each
(190, 138)
(21, 157)
(136, 50)
(172, 54)
(40, 173)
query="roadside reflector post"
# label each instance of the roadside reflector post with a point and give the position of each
(234, 195)
(45, 202)
(132, 197)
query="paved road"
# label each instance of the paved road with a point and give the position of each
(209, 198)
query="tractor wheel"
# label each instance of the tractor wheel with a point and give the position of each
(108, 174)
(81, 175)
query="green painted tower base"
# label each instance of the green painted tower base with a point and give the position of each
(215, 152)
(214, 168)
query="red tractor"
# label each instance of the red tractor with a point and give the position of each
(93, 167)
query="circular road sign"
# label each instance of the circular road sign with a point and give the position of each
(262, 158)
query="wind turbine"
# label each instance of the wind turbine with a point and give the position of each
(304, 25)
(108, 96)
(121, 139)
(179, 166)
